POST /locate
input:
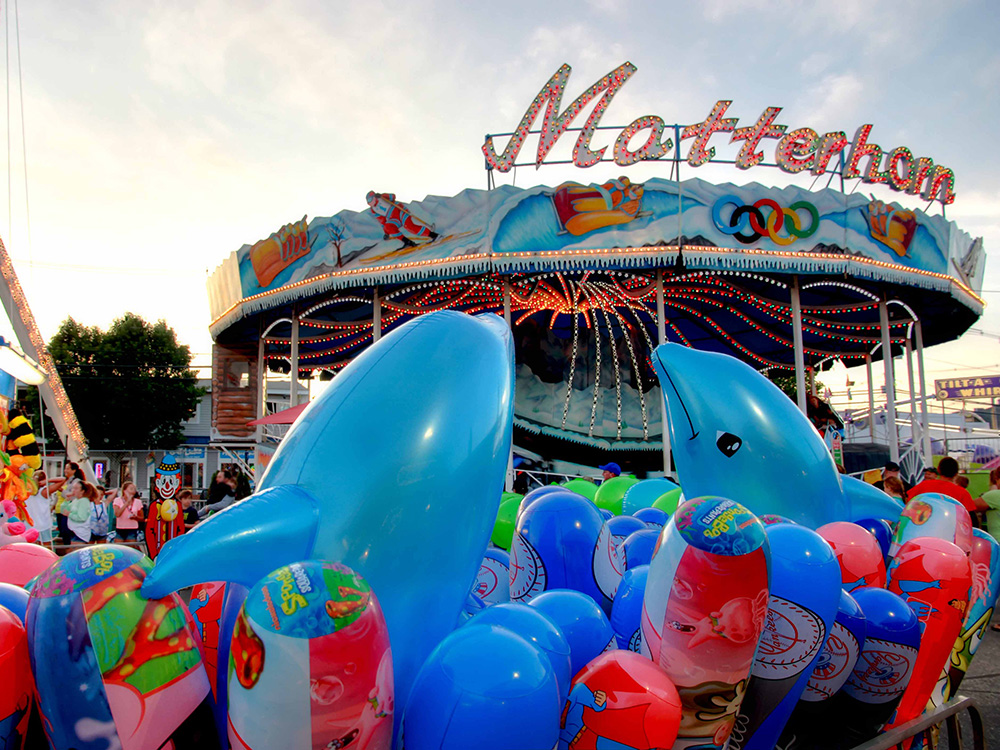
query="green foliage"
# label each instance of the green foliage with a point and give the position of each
(786, 382)
(131, 386)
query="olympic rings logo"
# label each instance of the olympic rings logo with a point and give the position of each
(749, 223)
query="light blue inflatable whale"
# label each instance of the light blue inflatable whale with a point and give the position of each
(396, 471)
(737, 435)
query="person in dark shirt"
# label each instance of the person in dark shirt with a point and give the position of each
(185, 498)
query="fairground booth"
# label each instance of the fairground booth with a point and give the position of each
(593, 274)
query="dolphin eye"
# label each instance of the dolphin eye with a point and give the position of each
(728, 443)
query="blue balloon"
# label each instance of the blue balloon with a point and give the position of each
(802, 606)
(483, 687)
(582, 622)
(606, 514)
(554, 547)
(493, 578)
(236, 594)
(637, 549)
(15, 599)
(644, 493)
(626, 610)
(875, 687)
(538, 493)
(735, 434)
(537, 628)
(881, 530)
(395, 471)
(654, 518)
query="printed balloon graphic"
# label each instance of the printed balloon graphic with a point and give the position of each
(205, 606)
(620, 700)
(882, 672)
(985, 559)
(858, 554)
(15, 686)
(554, 547)
(704, 610)
(804, 595)
(493, 579)
(310, 664)
(608, 563)
(110, 665)
(936, 515)
(654, 518)
(813, 723)
(934, 577)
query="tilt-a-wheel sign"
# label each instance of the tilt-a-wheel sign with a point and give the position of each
(796, 150)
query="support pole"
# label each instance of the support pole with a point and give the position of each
(925, 423)
(509, 483)
(661, 337)
(913, 395)
(890, 380)
(261, 387)
(376, 315)
(871, 398)
(293, 382)
(800, 357)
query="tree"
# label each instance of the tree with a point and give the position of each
(131, 387)
(787, 383)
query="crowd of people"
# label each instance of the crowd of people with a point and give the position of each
(88, 513)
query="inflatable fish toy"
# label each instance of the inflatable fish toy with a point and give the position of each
(395, 471)
(735, 434)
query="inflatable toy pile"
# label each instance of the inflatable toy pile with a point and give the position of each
(377, 590)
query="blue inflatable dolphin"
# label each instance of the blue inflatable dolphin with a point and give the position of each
(396, 471)
(735, 434)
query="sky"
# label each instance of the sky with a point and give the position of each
(161, 136)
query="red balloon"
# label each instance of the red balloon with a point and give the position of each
(858, 553)
(623, 697)
(933, 576)
(16, 688)
(20, 562)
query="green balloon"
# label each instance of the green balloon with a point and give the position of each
(611, 492)
(582, 487)
(503, 528)
(667, 502)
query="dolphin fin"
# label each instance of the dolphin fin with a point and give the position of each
(243, 543)
(867, 501)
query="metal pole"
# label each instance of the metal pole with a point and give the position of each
(261, 388)
(913, 395)
(293, 376)
(800, 357)
(890, 380)
(509, 483)
(871, 398)
(925, 422)
(661, 338)
(376, 315)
